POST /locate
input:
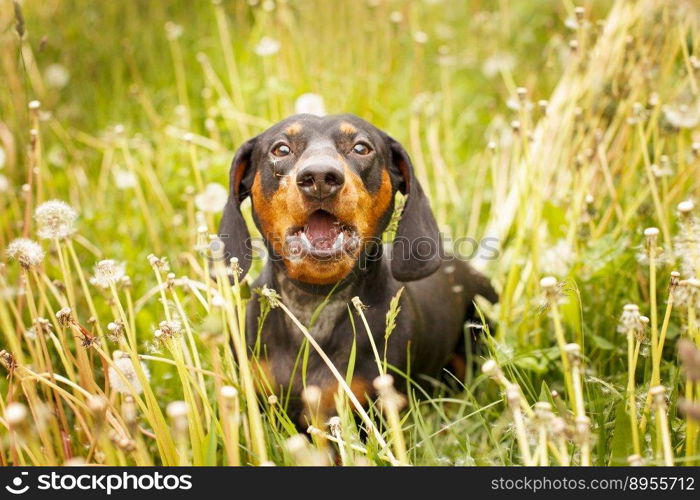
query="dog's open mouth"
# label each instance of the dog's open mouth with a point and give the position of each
(322, 237)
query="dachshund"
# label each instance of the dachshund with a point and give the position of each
(323, 191)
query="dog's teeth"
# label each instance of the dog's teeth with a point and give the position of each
(305, 240)
(338, 244)
(353, 243)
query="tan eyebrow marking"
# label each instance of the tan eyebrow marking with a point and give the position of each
(347, 128)
(293, 129)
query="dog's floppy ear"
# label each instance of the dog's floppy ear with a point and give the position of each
(417, 248)
(233, 231)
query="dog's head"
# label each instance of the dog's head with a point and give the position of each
(322, 189)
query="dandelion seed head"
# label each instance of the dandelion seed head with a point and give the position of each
(97, 404)
(497, 63)
(27, 252)
(396, 17)
(108, 272)
(15, 414)
(173, 31)
(160, 263)
(632, 322)
(686, 243)
(213, 199)
(686, 206)
(663, 171)
(228, 392)
(682, 115)
(55, 220)
(548, 282)
(30, 333)
(517, 104)
(296, 444)
(168, 329)
(124, 366)
(311, 104)
(65, 316)
(267, 46)
(177, 409)
(56, 75)
(420, 37)
(124, 179)
(557, 259)
(312, 395)
(115, 330)
(490, 367)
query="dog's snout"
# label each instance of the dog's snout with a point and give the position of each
(320, 181)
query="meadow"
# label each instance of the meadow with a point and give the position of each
(567, 132)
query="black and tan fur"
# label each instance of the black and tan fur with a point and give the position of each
(439, 290)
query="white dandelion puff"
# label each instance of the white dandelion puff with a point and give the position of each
(311, 104)
(557, 260)
(682, 115)
(686, 244)
(56, 76)
(27, 252)
(124, 369)
(15, 414)
(497, 63)
(267, 46)
(168, 329)
(420, 37)
(173, 31)
(55, 220)
(396, 17)
(632, 321)
(516, 104)
(108, 272)
(177, 409)
(124, 179)
(212, 199)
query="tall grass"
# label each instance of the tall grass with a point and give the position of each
(568, 133)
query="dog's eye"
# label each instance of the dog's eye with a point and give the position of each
(281, 150)
(361, 149)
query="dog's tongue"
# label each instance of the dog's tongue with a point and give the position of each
(322, 229)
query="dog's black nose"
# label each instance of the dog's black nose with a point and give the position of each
(320, 181)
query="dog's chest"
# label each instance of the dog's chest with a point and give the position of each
(308, 308)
